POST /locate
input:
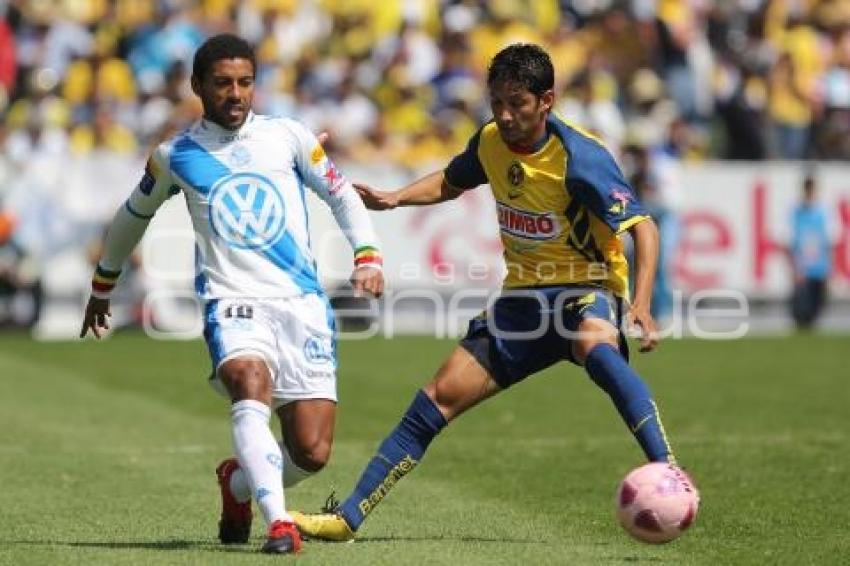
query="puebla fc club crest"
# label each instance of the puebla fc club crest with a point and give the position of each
(240, 156)
(318, 350)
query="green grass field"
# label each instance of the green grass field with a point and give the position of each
(107, 454)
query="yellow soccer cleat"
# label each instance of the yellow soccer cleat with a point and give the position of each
(323, 526)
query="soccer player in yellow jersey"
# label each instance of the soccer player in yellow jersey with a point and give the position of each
(562, 202)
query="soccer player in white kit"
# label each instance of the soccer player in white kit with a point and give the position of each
(267, 322)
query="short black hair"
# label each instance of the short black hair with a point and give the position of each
(218, 47)
(525, 64)
(809, 184)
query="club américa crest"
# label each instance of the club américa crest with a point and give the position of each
(516, 177)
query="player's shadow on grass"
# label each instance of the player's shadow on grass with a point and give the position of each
(147, 545)
(366, 540)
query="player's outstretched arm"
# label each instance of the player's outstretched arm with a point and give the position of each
(121, 238)
(645, 236)
(323, 177)
(430, 189)
(124, 233)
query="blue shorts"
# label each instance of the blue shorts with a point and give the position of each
(527, 330)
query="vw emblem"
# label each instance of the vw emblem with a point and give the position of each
(247, 211)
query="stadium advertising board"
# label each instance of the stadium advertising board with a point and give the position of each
(733, 226)
(734, 221)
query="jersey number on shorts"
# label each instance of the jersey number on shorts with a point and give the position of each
(239, 311)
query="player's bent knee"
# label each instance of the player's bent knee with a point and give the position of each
(312, 458)
(583, 348)
(443, 397)
(245, 378)
(593, 332)
(460, 384)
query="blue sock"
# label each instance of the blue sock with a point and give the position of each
(397, 455)
(610, 371)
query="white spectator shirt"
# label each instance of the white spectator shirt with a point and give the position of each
(245, 192)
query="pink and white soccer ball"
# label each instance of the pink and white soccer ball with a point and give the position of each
(657, 502)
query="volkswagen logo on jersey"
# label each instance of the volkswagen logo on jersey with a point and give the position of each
(247, 211)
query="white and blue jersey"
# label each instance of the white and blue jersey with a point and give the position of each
(254, 267)
(245, 191)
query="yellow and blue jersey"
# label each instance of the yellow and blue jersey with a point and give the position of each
(560, 207)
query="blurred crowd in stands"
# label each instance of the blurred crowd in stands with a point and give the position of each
(402, 81)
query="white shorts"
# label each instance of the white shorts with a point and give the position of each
(295, 336)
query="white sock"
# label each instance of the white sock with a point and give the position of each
(292, 474)
(259, 457)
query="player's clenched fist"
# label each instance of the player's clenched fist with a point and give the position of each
(642, 322)
(368, 279)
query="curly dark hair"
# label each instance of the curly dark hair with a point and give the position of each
(218, 47)
(525, 64)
